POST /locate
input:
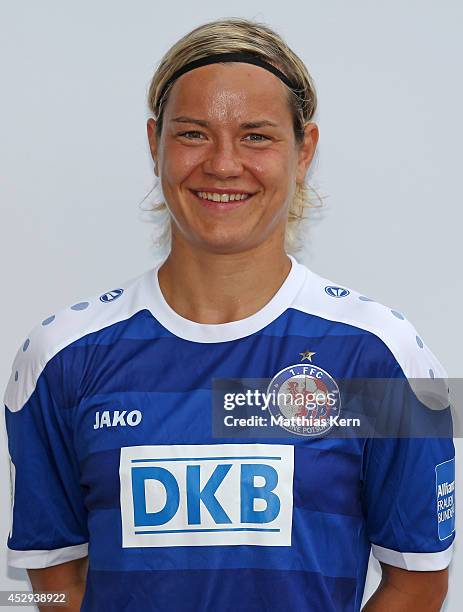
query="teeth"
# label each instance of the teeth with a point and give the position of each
(222, 197)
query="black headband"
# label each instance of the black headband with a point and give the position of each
(248, 58)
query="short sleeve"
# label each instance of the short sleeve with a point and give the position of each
(409, 490)
(48, 515)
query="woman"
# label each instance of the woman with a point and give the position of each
(113, 395)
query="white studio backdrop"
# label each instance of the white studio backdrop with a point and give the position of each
(75, 162)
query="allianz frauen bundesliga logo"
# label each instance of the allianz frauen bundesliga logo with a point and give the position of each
(306, 400)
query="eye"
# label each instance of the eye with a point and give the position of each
(186, 134)
(259, 136)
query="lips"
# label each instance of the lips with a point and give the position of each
(221, 206)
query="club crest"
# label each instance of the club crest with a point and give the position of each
(307, 400)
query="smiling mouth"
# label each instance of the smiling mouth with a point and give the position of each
(222, 197)
(221, 201)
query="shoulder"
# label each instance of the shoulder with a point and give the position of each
(66, 326)
(336, 302)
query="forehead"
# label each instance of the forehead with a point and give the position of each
(227, 92)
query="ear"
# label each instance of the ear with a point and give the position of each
(306, 151)
(151, 130)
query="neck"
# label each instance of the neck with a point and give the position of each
(216, 288)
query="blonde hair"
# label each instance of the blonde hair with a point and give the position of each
(235, 35)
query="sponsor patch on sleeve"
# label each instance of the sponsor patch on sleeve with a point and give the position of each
(445, 493)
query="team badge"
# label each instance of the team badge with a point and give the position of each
(306, 400)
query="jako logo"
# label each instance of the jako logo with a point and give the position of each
(337, 292)
(111, 295)
(118, 417)
(207, 495)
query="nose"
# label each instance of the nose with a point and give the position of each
(223, 161)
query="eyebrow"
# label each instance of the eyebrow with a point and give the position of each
(247, 125)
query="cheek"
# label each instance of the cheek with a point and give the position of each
(179, 162)
(271, 168)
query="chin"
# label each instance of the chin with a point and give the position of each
(224, 242)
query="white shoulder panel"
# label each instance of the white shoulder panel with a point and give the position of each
(326, 299)
(69, 324)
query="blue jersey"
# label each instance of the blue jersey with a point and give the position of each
(110, 435)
